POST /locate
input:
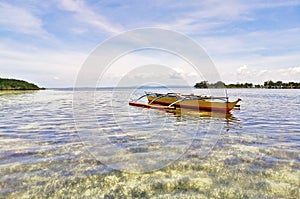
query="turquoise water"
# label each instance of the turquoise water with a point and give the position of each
(53, 144)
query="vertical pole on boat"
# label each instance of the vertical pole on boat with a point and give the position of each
(226, 99)
(226, 95)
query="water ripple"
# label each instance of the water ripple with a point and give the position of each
(43, 154)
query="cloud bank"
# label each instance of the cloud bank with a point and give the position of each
(47, 42)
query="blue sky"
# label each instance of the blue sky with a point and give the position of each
(46, 42)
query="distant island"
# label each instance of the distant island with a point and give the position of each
(267, 84)
(14, 84)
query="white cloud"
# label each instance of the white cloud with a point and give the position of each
(206, 15)
(87, 15)
(262, 50)
(20, 20)
(149, 66)
(258, 76)
(243, 69)
(203, 16)
(48, 68)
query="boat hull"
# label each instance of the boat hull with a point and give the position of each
(194, 104)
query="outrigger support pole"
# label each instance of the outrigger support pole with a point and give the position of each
(140, 98)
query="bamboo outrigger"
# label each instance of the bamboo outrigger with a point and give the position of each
(175, 100)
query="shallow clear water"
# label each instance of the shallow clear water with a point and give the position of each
(56, 144)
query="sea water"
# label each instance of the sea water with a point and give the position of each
(90, 143)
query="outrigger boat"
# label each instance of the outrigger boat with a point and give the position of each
(176, 100)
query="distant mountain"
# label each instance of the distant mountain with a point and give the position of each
(14, 84)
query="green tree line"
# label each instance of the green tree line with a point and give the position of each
(205, 84)
(280, 84)
(14, 84)
(267, 84)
